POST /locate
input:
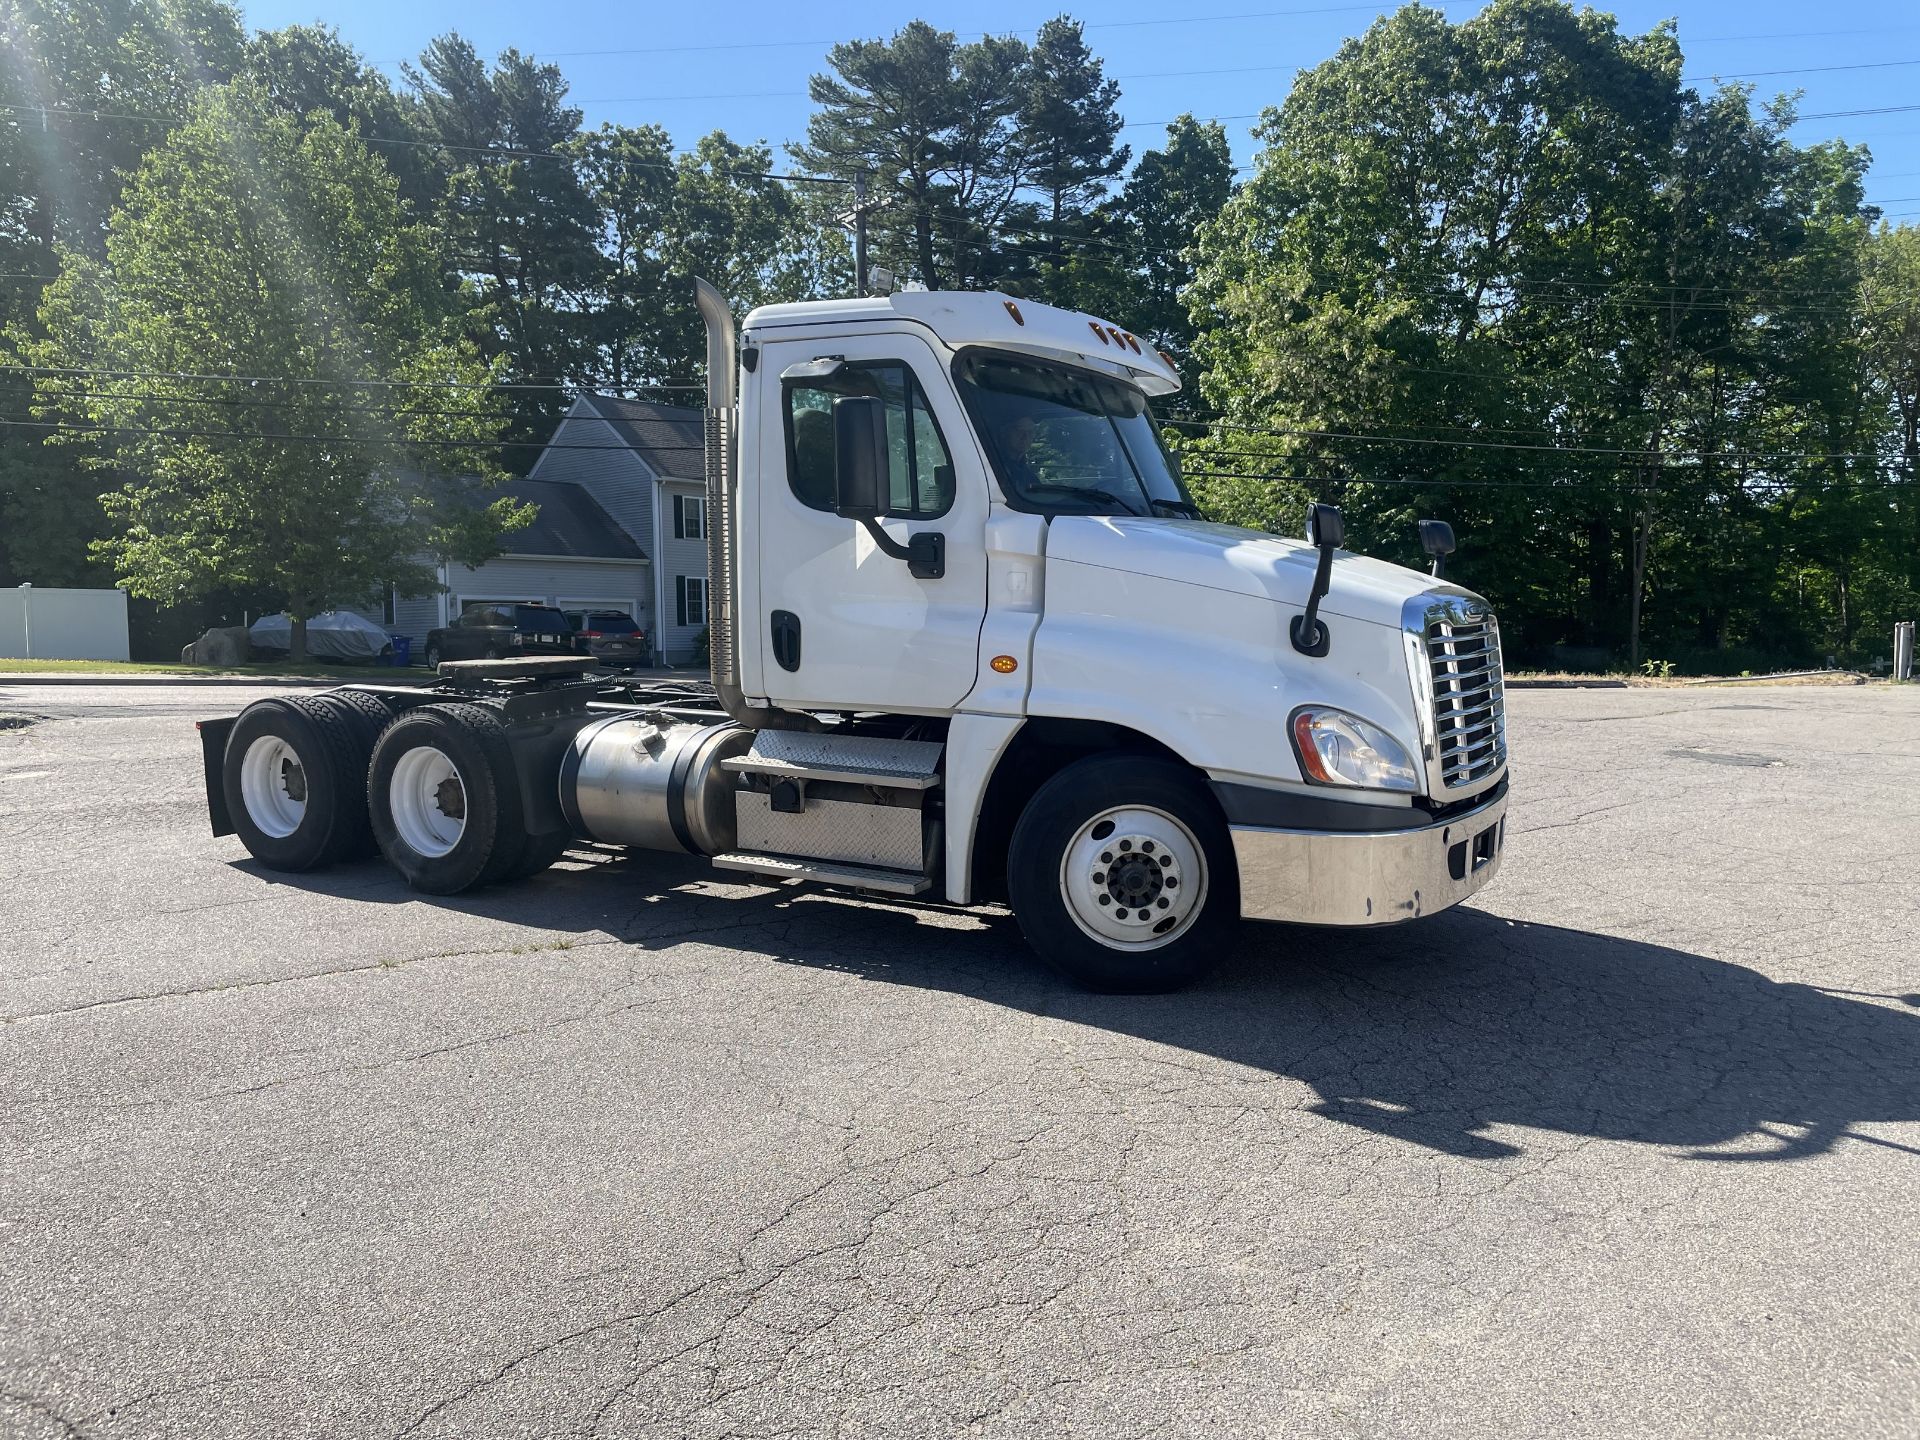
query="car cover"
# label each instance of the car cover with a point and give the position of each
(335, 635)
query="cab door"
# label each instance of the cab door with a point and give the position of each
(843, 625)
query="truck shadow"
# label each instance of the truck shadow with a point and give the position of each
(1433, 1033)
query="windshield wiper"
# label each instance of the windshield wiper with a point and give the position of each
(1087, 492)
(1179, 507)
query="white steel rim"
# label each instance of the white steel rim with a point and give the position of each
(1134, 878)
(429, 801)
(273, 786)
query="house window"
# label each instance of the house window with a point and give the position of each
(920, 472)
(690, 599)
(689, 517)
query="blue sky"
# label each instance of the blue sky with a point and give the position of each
(743, 67)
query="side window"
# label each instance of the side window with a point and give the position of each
(921, 479)
(689, 517)
(690, 600)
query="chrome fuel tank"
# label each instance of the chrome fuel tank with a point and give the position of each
(635, 780)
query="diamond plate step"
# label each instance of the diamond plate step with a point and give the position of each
(825, 872)
(850, 759)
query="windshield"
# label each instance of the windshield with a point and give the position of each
(1063, 439)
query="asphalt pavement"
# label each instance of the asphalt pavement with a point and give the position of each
(1630, 1146)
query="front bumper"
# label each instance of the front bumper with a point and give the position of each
(1379, 877)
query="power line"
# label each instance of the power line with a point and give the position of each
(58, 427)
(495, 151)
(1746, 485)
(1376, 438)
(338, 382)
(1305, 64)
(1798, 70)
(186, 433)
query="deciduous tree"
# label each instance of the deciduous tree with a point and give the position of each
(272, 252)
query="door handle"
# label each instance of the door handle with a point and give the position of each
(786, 639)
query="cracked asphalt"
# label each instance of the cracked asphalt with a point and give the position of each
(1631, 1146)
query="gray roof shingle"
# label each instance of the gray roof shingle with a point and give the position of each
(570, 523)
(670, 438)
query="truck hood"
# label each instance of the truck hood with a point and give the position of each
(1240, 562)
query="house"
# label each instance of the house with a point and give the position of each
(572, 555)
(621, 493)
(644, 465)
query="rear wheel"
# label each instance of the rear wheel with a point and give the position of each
(433, 657)
(1122, 875)
(444, 799)
(363, 716)
(292, 784)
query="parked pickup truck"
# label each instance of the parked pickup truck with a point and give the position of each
(489, 630)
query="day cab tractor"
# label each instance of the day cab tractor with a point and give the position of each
(970, 640)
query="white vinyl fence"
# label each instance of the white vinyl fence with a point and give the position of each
(39, 623)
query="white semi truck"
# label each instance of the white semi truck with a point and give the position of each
(970, 640)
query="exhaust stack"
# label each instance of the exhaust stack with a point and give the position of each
(722, 452)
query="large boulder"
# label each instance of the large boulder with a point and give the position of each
(222, 645)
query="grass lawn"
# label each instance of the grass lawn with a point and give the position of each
(331, 674)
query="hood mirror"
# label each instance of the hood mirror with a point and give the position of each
(1328, 532)
(1436, 538)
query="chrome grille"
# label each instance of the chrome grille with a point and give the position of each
(1469, 706)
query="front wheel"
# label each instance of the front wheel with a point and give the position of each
(433, 657)
(1122, 875)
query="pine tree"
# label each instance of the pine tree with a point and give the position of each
(1069, 127)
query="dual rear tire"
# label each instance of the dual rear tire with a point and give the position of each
(314, 780)
(295, 777)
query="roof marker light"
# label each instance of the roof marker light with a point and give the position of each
(1014, 311)
(1094, 325)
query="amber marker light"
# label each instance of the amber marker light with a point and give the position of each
(1014, 311)
(1094, 325)
(1309, 752)
(1004, 664)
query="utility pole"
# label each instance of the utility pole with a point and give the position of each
(860, 234)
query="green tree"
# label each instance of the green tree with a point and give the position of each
(1171, 194)
(1069, 129)
(522, 231)
(716, 212)
(308, 68)
(274, 251)
(934, 125)
(86, 86)
(1514, 273)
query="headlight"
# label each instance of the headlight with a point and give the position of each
(1336, 748)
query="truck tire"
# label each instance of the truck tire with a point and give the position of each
(433, 658)
(363, 716)
(1122, 875)
(293, 784)
(444, 799)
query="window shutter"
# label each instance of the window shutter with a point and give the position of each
(679, 583)
(679, 520)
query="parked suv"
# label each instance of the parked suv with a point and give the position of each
(491, 631)
(610, 636)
